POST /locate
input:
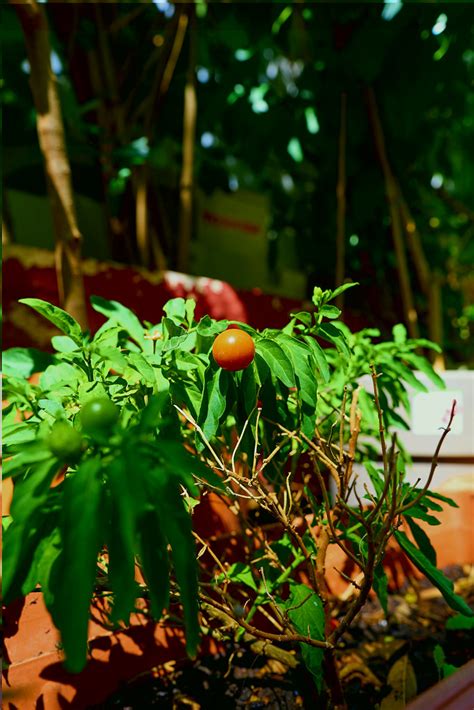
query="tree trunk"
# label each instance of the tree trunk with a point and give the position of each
(189, 132)
(58, 172)
(410, 313)
(341, 202)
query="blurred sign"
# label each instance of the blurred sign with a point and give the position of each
(232, 238)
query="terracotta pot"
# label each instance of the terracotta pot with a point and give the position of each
(453, 539)
(453, 693)
(35, 677)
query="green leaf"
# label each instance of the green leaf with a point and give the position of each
(34, 452)
(444, 669)
(124, 317)
(46, 553)
(331, 333)
(376, 477)
(459, 622)
(209, 327)
(435, 576)
(213, 402)
(183, 466)
(14, 435)
(52, 407)
(62, 375)
(64, 344)
(249, 388)
(304, 367)
(171, 328)
(419, 511)
(143, 367)
(82, 516)
(121, 540)
(342, 289)
(57, 316)
(306, 612)
(184, 343)
(422, 540)
(331, 312)
(281, 19)
(381, 586)
(319, 357)
(277, 360)
(304, 317)
(399, 333)
(24, 362)
(312, 123)
(423, 343)
(295, 150)
(154, 559)
(23, 534)
(176, 308)
(367, 408)
(239, 572)
(420, 363)
(404, 373)
(178, 530)
(439, 496)
(189, 308)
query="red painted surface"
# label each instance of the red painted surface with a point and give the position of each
(30, 273)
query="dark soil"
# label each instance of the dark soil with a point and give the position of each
(238, 679)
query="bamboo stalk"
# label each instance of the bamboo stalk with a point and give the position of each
(141, 215)
(51, 139)
(6, 236)
(435, 320)
(163, 78)
(168, 58)
(189, 132)
(109, 73)
(410, 314)
(341, 201)
(414, 244)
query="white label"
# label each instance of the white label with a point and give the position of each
(431, 412)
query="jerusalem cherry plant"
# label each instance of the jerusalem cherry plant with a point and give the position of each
(126, 431)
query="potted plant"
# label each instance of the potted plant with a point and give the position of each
(149, 423)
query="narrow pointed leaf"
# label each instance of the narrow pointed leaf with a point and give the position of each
(124, 317)
(422, 540)
(319, 357)
(435, 576)
(154, 559)
(121, 541)
(57, 316)
(277, 360)
(305, 610)
(81, 533)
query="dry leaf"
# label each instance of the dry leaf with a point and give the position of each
(402, 680)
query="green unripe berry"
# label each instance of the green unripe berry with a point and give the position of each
(65, 442)
(98, 415)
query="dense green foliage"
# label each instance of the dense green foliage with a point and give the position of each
(131, 485)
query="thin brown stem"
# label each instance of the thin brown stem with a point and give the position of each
(434, 465)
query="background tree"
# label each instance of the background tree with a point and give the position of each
(269, 81)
